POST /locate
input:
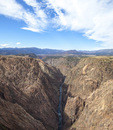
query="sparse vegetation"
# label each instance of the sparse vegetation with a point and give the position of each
(87, 92)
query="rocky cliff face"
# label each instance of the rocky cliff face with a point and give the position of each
(87, 92)
(89, 101)
(29, 91)
(98, 110)
(65, 64)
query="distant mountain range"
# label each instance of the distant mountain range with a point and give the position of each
(15, 51)
(38, 51)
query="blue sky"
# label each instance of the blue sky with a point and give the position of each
(56, 24)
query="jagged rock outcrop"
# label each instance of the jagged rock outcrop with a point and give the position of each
(15, 117)
(29, 91)
(98, 112)
(87, 92)
(63, 63)
(91, 80)
(74, 107)
(88, 74)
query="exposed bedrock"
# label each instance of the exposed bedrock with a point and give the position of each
(29, 91)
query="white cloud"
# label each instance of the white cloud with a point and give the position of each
(11, 8)
(18, 43)
(34, 22)
(38, 19)
(32, 3)
(4, 45)
(94, 18)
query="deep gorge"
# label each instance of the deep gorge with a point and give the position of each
(34, 95)
(88, 80)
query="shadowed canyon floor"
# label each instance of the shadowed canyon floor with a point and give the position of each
(30, 88)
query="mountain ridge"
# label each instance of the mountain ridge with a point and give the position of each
(39, 51)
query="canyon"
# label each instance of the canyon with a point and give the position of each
(31, 91)
(87, 92)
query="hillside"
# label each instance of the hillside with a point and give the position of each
(62, 63)
(29, 91)
(89, 100)
(87, 92)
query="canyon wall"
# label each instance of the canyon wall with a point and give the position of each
(29, 93)
(88, 94)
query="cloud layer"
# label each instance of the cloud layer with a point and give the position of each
(94, 18)
(34, 21)
(4, 45)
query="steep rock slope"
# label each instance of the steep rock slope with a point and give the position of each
(29, 91)
(98, 112)
(62, 63)
(89, 98)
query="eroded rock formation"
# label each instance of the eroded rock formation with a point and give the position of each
(91, 80)
(87, 92)
(29, 91)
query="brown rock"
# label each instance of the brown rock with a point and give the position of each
(91, 80)
(14, 117)
(65, 64)
(73, 109)
(34, 87)
(87, 76)
(98, 113)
